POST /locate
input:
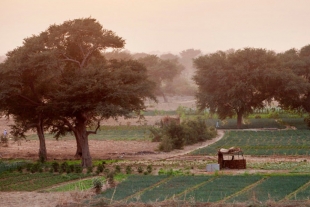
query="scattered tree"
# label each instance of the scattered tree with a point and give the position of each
(236, 83)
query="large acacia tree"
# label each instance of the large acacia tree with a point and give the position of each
(238, 82)
(88, 88)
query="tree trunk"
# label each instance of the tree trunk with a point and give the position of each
(78, 153)
(164, 96)
(82, 137)
(239, 119)
(42, 149)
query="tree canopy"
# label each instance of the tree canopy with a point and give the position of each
(296, 94)
(84, 87)
(238, 82)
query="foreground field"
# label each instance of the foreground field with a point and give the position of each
(227, 189)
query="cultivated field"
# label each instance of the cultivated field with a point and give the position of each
(276, 151)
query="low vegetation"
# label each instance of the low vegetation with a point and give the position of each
(274, 142)
(176, 136)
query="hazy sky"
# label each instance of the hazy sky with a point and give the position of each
(168, 25)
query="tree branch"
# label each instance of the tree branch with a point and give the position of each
(87, 55)
(71, 60)
(94, 132)
(31, 101)
(67, 123)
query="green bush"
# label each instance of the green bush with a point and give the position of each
(55, 166)
(166, 144)
(273, 115)
(197, 131)
(97, 183)
(149, 168)
(100, 168)
(78, 169)
(140, 169)
(117, 169)
(176, 133)
(189, 132)
(63, 167)
(156, 134)
(128, 169)
(89, 169)
(36, 167)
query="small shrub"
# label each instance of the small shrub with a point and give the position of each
(68, 170)
(64, 166)
(36, 168)
(20, 168)
(71, 167)
(128, 169)
(140, 169)
(78, 169)
(273, 115)
(55, 166)
(156, 134)
(100, 168)
(89, 170)
(106, 171)
(110, 179)
(257, 117)
(117, 169)
(51, 170)
(28, 167)
(97, 184)
(149, 169)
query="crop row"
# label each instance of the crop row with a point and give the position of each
(31, 182)
(227, 188)
(285, 142)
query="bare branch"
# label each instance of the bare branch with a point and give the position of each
(71, 60)
(94, 132)
(88, 54)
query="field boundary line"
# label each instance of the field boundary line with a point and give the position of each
(301, 188)
(192, 188)
(46, 189)
(243, 190)
(145, 189)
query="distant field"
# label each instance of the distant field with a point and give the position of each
(249, 123)
(285, 142)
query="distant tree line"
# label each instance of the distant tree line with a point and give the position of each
(239, 82)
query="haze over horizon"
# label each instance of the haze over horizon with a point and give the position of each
(161, 26)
